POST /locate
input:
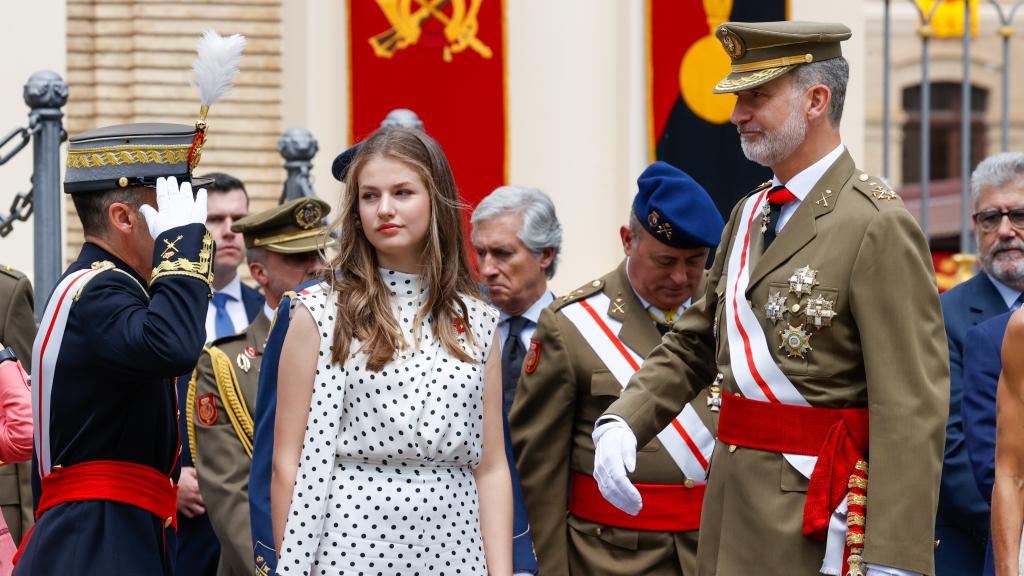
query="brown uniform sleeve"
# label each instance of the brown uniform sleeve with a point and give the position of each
(223, 470)
(895, 303)
(19, 329)
(541, 424)
(681, 366)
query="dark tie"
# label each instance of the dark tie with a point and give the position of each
(512, 355)
(223, 326)
(1017, 303)
(777, 197)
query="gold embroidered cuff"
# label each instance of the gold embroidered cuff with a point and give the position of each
(201, 270)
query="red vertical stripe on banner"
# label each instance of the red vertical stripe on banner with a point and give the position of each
(672, 27)
(444, 60)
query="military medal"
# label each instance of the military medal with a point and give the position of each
(820, 312)
(795, 341)
(802, 280)
(250, 351)
(715, 393)
(243, 362)
(775, 307)
(765, 217)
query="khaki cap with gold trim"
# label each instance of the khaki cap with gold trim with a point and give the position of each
(293, 227)
(763, 51)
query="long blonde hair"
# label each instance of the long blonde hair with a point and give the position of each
(363, 304)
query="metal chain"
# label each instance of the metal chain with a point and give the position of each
(25, 134)
(21, 209)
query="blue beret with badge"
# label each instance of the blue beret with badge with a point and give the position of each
(675, 209)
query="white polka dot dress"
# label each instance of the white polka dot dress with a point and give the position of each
(399, 496)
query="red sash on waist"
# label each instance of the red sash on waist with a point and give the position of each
(125, 482)
(667, 507)
(837, 436)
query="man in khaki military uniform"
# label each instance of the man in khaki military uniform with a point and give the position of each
(586, 346)
(17, 330)
(284, 247)
(819, 314)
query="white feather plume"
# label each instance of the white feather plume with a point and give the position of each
(217, 65)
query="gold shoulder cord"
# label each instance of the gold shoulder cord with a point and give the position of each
(231, 396)
(190, 414)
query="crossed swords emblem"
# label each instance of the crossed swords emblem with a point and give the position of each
(460, 27)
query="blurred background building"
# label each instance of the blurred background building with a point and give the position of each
(575, 97)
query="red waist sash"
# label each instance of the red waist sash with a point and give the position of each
(837, 436)
(125, 482)
(667, 507)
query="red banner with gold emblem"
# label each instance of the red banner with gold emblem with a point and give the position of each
(688, 125)
(445, 61)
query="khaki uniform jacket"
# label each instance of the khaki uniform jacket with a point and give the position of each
(221, 459)
(885, 350)
(17, 330)
(552, 419)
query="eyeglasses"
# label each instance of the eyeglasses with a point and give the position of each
(989, 220)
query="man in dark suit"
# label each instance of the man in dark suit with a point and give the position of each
(233, 307)
(962, 525)
(517, 238)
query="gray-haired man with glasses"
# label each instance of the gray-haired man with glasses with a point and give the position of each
(962, 526)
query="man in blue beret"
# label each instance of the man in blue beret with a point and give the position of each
(586, 346)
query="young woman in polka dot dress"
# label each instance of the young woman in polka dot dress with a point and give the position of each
(388, 454)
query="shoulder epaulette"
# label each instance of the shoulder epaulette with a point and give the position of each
(8, 271)
(759, 188)
(578, 294)
(107, 266)
(875, 188)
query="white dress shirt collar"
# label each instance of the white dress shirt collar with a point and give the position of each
(233, 288)
(801, 184)
(533, 312)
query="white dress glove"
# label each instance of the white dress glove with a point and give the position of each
(614, 454)
(174, 206)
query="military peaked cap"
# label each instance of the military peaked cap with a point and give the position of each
(132, 155)
(763, 51)
(293, 227)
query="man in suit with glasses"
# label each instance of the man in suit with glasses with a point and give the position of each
(962, 526)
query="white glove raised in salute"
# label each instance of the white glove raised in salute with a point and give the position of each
(614, 455)
(174, 206)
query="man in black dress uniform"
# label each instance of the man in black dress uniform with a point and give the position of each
(125, 318)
